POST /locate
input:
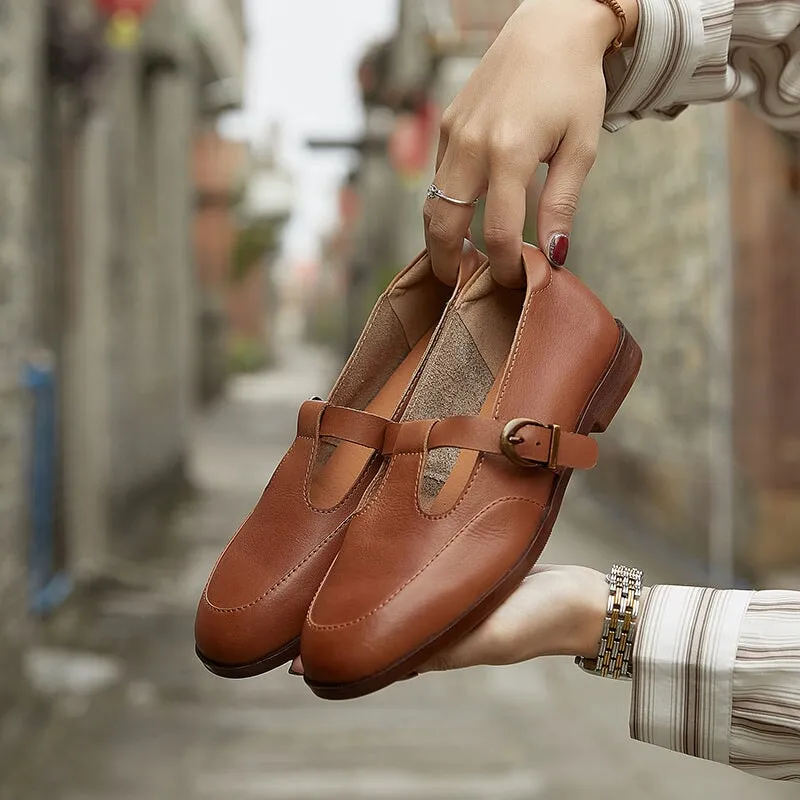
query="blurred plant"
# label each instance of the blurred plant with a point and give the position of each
(325, 324)
(254, 242)
(383, 276)
(247, 355)
(376, 281)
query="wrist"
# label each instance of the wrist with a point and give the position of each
(631, 9)
(609, 27)
(590, 17)
(593, 613)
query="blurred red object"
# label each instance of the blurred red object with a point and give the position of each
(137, 8)
(411, 143)
(348, 204)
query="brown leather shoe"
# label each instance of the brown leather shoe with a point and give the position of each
(476, 473)
(252, 609)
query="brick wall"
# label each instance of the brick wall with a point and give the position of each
(650, 240)
(20, 32)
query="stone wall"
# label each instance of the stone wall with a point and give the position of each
(150, 112)
(21, 27)
(652, 240)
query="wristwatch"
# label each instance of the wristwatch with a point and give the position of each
(615, 654)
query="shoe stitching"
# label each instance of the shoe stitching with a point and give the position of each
(348, 368)
(518, 344)
(376, 494)
(283, 580)
(462, 497)
(296, 567)
(350, 492)
(452, 540)
(246, 520)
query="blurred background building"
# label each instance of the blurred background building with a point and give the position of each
(107, 301)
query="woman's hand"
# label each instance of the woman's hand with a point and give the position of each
(556, 611)
(538, 96)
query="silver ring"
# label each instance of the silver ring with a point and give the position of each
(435, 191)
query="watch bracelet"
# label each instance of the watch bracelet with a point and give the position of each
(615, 653)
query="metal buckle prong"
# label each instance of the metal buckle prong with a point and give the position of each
(509, 439)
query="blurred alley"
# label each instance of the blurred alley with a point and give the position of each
(200, 201)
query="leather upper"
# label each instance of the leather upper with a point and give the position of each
(406, 571)
(259, 590)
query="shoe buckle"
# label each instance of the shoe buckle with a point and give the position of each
(509, 439)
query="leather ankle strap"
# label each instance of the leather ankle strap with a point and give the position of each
(524, 442)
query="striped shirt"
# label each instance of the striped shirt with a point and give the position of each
(717, 676)
(702, 51)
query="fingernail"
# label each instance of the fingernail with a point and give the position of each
(558, 248)
(296, 667)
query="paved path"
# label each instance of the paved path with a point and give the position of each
(136, 718)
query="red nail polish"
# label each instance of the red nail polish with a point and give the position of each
(558, 249)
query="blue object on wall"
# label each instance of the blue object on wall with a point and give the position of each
(48, 586)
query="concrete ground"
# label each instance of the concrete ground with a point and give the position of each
(133, 716)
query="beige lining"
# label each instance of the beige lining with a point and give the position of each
(462, 377)
(388, 357)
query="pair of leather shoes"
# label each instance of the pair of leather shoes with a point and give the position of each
(418, 496)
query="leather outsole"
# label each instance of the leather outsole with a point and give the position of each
(277, 658)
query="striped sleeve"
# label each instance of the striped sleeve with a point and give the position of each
(717, 676)
(765, 719)
(701, 51)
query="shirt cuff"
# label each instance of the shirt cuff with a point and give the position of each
(645, 80)
(684, 657)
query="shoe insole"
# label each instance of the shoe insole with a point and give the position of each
(338, 474)
(462, 470)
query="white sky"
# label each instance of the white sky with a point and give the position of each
(301, 73)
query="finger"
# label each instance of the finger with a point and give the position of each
(447, 224)
(442, 149)
(460, 656)
(537, 569)
(503, 226)
(445, 126)
(562, 188)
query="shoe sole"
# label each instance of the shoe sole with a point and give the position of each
(601, 409)
(277, 658)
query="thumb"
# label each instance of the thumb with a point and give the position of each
(445, 661)
(471, 651)
(559, 199)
